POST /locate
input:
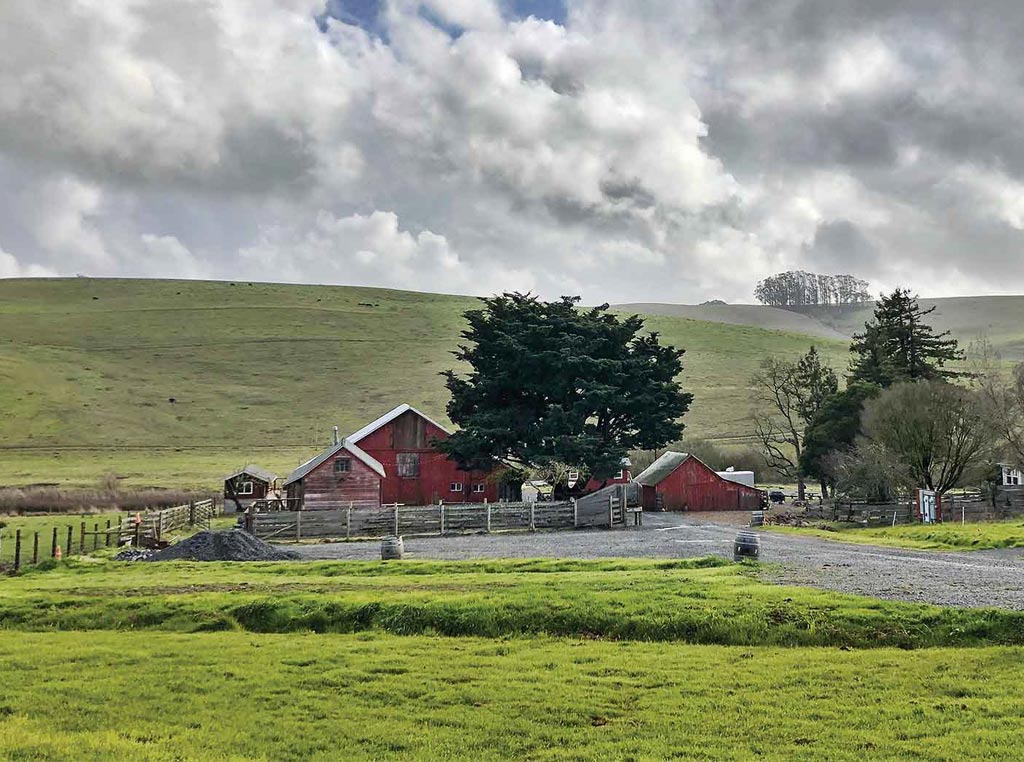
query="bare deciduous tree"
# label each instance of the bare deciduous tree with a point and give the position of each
(1002, 393)
(938, 432)
(793, 392)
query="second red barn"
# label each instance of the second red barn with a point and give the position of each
(680, 482)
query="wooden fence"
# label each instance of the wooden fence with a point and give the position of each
(150, 528)
(607, 510)
(1004, 503)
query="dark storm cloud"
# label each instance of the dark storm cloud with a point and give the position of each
(608, 147)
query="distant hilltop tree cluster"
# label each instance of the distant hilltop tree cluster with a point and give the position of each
(797, 288)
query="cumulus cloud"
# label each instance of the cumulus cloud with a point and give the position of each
(656, 151)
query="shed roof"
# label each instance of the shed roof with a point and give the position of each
(655, 473)
(387, 418)
(253, 470)
(345, 444)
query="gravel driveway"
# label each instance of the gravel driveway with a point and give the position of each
(980, 578)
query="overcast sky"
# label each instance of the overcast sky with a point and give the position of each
(665, 150)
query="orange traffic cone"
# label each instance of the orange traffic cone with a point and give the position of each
(59, 554)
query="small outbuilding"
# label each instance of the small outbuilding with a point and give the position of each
(678, 481)
(245, 486)
(343, 475)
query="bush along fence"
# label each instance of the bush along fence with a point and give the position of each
(29, 547)
(606, 508)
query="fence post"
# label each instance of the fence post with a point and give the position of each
(298, 526)
(440, 505)
(348, 521)
(488, 506)
(17, 549)
(108, 533)
(71, 539)
(81, 539)
(95, 535)
(611, 512)
(575, 514)
(396, 519)
(533, 525)
(53, 545)
(191, 513)
(35, 548)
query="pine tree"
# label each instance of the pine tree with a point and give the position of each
(897, 345)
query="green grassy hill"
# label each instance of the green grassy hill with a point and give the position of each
(260, 372)
(1000, 319)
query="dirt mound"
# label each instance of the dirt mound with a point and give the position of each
(226, 545)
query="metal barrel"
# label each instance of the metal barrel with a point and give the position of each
(392, 548)
(757, 518)
(746, 546)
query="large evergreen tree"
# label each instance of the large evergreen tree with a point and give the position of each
(550, 382)
(897, 345)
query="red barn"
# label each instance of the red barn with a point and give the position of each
(680, 482)
(391, 460)
(416, 473)
(624, 476)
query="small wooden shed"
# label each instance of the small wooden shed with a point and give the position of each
(341, 476)
(247, 485)
(678, 481)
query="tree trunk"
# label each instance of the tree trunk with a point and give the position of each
(801, 488)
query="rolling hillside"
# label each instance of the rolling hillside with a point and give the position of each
(176, 382)
(1000, 319)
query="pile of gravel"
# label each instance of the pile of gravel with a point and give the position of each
(134, 554)
(225, 545)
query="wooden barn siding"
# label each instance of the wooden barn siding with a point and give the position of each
(695, 487)
(410, 433)
(324, 490)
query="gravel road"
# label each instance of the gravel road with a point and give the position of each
(980, 578)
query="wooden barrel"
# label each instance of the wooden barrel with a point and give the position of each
(756, 518)
(392, 548)
(747, 546)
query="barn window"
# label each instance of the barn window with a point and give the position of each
(245, 488)
(456, 487)
(619, 475)
(408, 464)
(480, 487)
(342, 466)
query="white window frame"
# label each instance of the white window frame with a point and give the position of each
(455, 487)
(348, 466)
(1011, 476)
(480, 487)
(246, 488)
(622, 473)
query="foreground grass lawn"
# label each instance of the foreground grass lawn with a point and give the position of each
(691, 600)
(951, 536)
(239, 696)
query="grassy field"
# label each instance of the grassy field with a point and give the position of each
(695, 601)
(45, 525)
(235, 696)
(493, 660)
(260, 372)
(951, 536)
